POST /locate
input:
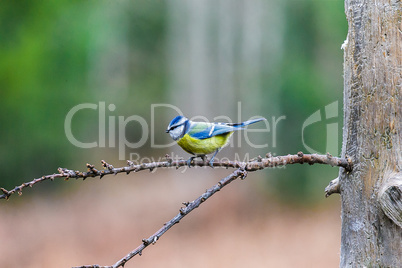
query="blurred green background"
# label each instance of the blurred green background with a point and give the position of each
(207, 58)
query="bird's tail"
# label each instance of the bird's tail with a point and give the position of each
(248, 122)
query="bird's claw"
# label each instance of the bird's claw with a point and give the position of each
(204, 159)
(189, 161)
(211, 162)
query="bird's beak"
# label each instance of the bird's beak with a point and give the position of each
(167, 131)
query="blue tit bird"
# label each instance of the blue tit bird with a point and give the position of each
(202, 138)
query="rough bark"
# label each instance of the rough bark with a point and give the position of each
(372, 135)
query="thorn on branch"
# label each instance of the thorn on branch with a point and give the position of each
(168, 159)
(300, 154)
(243, 175)
(67, 173)
(182, 212)
(107, 165)
(6, 193)
(92, 169)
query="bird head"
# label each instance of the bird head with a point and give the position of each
(176, 127)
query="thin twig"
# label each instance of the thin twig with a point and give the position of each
(260, 163)
(183, 212)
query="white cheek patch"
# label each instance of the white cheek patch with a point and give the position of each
(176, 133)
(180, 129)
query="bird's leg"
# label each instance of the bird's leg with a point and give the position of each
(211, 162)
(204, 158)
(190, 160)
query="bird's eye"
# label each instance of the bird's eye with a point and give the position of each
(172, 128)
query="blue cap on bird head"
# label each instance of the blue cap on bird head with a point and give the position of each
(176, 127)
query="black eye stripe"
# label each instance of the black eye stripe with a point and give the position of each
(176, 126)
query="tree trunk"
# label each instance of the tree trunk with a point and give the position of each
(371, 193)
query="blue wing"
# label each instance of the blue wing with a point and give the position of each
(203, 130)
(246, 123)
(200, 130)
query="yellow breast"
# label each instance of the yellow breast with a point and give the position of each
(205, 146)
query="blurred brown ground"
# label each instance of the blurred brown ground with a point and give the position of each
(100, 221)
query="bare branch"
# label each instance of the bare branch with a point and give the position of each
(260, 163)
(182, 213)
